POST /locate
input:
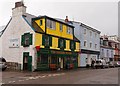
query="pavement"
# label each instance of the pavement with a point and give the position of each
(78, 76)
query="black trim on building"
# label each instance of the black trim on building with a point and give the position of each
(45, 25)
(90, 52)
(76, 40)
(6, 26)
(52, 19)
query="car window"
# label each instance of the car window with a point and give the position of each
(2, 60)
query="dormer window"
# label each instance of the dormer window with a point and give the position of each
(69, 30)
(51, 24)
(41, 22)
(61, 27)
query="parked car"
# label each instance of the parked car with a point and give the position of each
(117, 64)
(112, 64)
(3, 64)
(100, 63)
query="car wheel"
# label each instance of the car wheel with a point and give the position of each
(3, 69)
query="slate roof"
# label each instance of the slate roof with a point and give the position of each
(1, 30)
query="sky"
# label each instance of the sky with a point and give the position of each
(99, 14)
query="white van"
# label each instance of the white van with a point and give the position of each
(100, 63)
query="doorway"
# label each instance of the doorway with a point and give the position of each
(27, 62)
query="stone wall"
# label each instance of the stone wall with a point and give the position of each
(13, 66)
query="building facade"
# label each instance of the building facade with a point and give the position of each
(1, 32)
(0, 45)
(116, 45)
(90, 43)
(39, 43)
(106, 49)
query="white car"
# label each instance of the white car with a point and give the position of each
(100, 63)
(117, 64)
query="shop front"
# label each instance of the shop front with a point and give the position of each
(56, 60)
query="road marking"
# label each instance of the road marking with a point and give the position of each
(20, 80)
(42, 76)
(37, 77)
(27, 79)
(50, 75)
(2, 83)
(11, 82)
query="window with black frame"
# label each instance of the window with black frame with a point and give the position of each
(72, 45)
(44, 59)
(46, 41)
(62, 43)
(26, 40)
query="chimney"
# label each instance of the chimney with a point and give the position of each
(19, 4)
(66, 20)
(19, 9)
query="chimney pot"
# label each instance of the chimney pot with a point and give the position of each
(19, 4)
(66, 20)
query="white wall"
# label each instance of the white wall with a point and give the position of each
(0, 47)
(17, 27)
(79, 33)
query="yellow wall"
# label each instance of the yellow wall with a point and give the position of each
(43, 24)
(54, 43)
(57, 31)
(38, 40)
(68, 45)
(78, 60)
(77, 46)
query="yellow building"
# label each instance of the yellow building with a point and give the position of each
(56, 45)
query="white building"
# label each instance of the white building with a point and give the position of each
(16, 27)
(1, 32)
(31, 43)
(90, 43)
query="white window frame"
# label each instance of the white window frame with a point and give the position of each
(51, 24)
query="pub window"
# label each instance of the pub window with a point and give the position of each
(69, 30)
(47, 41)
(72, 45)
(51, 24)
(61, 43)
(44, 59)
(40, 22)
(61, 27)
(26, 39)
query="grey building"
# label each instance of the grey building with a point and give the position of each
(90, 43)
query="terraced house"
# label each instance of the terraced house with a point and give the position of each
(39, 43)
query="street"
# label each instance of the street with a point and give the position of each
(78, 76)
